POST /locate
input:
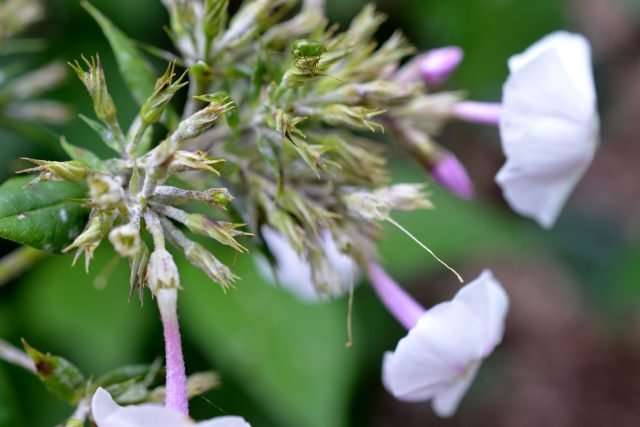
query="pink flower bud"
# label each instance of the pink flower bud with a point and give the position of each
(478, 112)
(452, 175)
(438, 64)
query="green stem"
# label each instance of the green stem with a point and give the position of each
(16, 262)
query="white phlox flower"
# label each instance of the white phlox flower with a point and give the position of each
(293, 272)
(549, 125)
(441, 354)
(107, 413)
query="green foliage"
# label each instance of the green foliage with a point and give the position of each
(44, 216)
(59, 376)
(134, 68)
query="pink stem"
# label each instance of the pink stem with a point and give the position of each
(176, 391)
(478, 112)
(399, 303)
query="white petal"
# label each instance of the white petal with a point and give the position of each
(446, 402)
(102, 405)
(292, 271)
(574, 51)
(147, 415)
(107, 413)
(446, 340)
(548, 128)
(224, 422)
(489, 302)
(341, 262)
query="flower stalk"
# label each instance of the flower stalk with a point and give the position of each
(176, 384)
(399, 303)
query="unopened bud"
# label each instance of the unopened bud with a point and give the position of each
(379, 204)
(126, 239)
(193, 161)
(437, 65)
(164, 90)
(73, 170)
(202, 120)
(222, 231)
(452, 175)
(356, 117)
(96, 84)
(162, 272)
(105, 190)
(204, 260)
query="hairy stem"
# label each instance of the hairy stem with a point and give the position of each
(13, 355)
(399, 303)
(176, 384)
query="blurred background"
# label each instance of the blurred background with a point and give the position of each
(571, 354)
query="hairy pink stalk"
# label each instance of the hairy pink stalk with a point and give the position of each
(399, 303)
(478, 112)
(176, 392)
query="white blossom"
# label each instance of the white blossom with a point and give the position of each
(293, 272)
(441, 354)
(107, 413)
(549, 125)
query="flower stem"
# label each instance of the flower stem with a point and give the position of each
(399, 303)
(176, 391)
(11, 354)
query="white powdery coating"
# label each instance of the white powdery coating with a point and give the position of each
(108, 413)
(440, 356)
(549, 125)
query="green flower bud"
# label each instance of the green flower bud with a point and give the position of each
(105, 190)
(96, 84)
(162, 272)
(204, 260)
(164, 90)
(126, 239)
(73, 170)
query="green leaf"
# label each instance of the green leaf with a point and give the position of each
(43, 216)
(134, 68)
(58, 375)
(289, 356)
(77, 153)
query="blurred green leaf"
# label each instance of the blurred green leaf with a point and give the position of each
(62, 307)
(82, 154)
(8, 413)
(63, 379)
(134, 68)
(43, 215)
(290, 356)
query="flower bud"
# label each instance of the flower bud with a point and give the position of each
(93, 233)
(126, 239)
(105, 190)
(452, 175)
(222, 231)
(164, 90)
(438, 64)
(202, 120)
(378, 205)
(162, 272)
(204, 260)
(96, 84)
(73, 170)
(404, 197)
(193, 161)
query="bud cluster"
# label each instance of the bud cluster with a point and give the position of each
(278, 132)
